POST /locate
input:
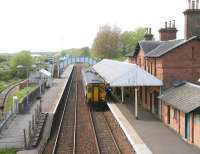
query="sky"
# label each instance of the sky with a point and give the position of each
(53, 25)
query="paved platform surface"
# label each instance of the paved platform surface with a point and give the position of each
(159, 138)
(12, 136)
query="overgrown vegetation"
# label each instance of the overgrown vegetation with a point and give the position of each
(111, 43)
(85, 51)
(20, 95)
(24, 59)
(8, 151)
(10, 74)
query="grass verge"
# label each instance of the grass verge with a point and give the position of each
(8, 151)
(20, 95)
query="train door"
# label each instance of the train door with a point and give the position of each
(187, 126)
(95, 93)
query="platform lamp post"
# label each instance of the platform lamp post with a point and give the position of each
(40, 83)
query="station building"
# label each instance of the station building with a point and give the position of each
(172, 61)
(181, 110)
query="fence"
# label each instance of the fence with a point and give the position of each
(18, 107)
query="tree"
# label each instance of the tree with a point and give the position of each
(3, 58)
(107, 42)
(129, 39)
(22, 58)
(85, 51)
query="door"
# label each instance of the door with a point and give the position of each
(151, 97)
(96, 94)
(156, 105)
(168, 114)
(187, 126)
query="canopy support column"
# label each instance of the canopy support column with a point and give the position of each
(122, 89)
(136, 103)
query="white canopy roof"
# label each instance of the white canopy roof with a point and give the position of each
(122, 74)
(45, 72)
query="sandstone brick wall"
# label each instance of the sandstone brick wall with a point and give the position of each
(140, 60)
(167, 35)
(164, 113)
(197, 130)
(191, 127)
(131, 60)
(174, 123)
(182, 63)
(182, 124)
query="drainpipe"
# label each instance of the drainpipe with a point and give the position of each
(136, 104)
(122, 89)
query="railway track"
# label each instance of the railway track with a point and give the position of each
(81, 130)
(105, 141)
(66, 137)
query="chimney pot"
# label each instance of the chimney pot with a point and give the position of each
(165, 25)
(189, 4)
(192, 17)
(148, 36)
(170, 24)
(193, 4)
(149, 30)
(174, 24)
(197, 4)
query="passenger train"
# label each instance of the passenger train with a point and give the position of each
(94, 88)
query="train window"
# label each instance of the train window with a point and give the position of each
(89, 89)
(102, 87)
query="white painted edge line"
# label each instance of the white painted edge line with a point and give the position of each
(67, 79)
(139, 146)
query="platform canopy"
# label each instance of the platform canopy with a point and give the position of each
(45, 72)
(122, 74)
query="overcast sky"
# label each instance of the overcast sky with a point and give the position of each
(51, 25)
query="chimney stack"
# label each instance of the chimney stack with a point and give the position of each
(189, 4)
(192, 17)
(193, 4)
(197, 4)
(170, 24)
(174, 24)
(148, 36)
(168, 33)
(165, 25)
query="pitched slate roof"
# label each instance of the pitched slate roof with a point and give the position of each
(158, 48)
(147, 46)
(185, 97)
(164, 47)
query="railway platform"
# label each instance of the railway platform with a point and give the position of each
(149, 134)
(12, 135)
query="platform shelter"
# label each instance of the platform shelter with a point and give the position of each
(123, 75)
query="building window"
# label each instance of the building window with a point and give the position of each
(140, 62)
(192, 52)
(151, 68)
(145, 95)
(175, 114)
(197, 119)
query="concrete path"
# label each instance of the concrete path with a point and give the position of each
(12, 135)
(157, 136)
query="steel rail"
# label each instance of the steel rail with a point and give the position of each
(94, 131)
(62, 117)
(75, 116)
(111, 133)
